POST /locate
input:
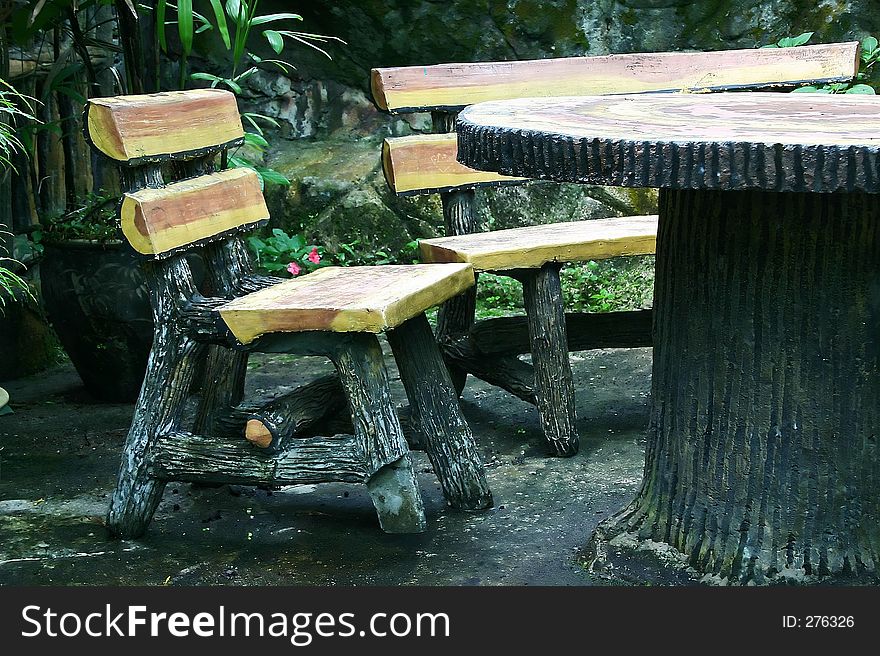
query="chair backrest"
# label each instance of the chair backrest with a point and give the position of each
(165, 145)
(427, 163)
(157, 127)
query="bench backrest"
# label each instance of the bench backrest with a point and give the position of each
(452, 87)
(418, 165)
(166, 143)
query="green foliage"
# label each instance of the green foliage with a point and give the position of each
(94, 220)
(10, 283)
(13, 106)
(234, 20)
(275, 253)
(278, 253)
(791, 41)
(869, 55)
(354, 254)
(590, 287)
(586, 289)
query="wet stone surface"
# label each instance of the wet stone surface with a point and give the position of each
(60, 452)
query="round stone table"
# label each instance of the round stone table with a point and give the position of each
(762, 456)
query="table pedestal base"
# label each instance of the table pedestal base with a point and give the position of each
(762, 457)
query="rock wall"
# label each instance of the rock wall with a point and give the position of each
(332, 133)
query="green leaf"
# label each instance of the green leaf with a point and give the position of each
(270, 176)
(251, 118)
(233, 10)
(869, 45)
(232, 84)
(222, 27)
(185, 25)
(160, 24)
(206, 76)
(253, 139)
(275, 40)
(271, 18)
(807, 89)
(239, 163)
(770, 45)
(862, 89)
(241, 77)
(283, 66)
(792, 41)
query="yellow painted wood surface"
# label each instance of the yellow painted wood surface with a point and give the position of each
(153, 125)
(346, 299)
(156, 221)
(427, 162)
(534, 246)
(457, 85)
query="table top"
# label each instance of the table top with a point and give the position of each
(774, 141)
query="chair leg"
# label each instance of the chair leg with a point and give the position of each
(159, 406)
(554, 386)
(392, 486)
(222, 388)
(170, 370)
(437, 416)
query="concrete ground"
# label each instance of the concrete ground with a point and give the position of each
(59, 452)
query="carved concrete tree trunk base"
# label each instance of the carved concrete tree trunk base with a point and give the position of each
(762, 455)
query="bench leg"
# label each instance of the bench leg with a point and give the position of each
(456, 316)
(554, 386)
(392, 485)
(436, 415)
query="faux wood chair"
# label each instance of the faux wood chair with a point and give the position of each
(427, 163)
(166, 146)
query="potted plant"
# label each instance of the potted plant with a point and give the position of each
(96, 299)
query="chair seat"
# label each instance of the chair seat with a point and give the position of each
(533, 246)
(346, 299)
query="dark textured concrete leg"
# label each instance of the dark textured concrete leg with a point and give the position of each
(456, 316)
(437, 416)
(160, 405)
(554, 386)
(393, 486)
(395, 494)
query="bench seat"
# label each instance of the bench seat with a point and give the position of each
(346, 299)
(531, 247)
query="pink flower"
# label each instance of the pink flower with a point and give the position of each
(293, 268)
(313, 257)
